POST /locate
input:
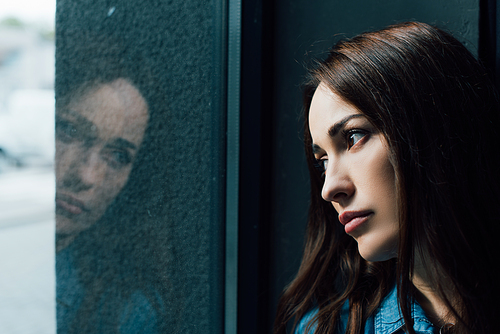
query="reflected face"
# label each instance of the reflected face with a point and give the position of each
(359, 179)
(98, 136)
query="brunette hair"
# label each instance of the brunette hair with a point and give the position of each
(119, 255)
(439, 113)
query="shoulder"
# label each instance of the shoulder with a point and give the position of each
(304, 322)
(307, 325)
(387, 319)
(141, 313)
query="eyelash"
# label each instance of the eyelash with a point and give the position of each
(319, 164)
(347, 134)
(117, 158)
(65, 130)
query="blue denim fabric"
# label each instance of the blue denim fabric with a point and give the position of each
(386, 320)
(136, 313)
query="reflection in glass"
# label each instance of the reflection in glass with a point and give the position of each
(98, 134)
(104, 285)
(139, 232)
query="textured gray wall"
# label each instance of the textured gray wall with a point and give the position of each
(304, 30)
(165, 227)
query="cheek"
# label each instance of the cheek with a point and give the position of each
(388, 178)
(112, 184)
(65, 155)
(378, 183)
(387, 195)
(61, 150)
(380, 175)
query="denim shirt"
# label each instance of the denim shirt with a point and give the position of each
(136, 313)
(386, 320)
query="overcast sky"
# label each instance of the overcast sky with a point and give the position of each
(29, 11)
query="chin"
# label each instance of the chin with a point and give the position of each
(377, 255)
(66, 226)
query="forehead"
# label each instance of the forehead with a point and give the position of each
(328, 108)
(117, 110)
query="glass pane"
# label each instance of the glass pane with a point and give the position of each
(138, 212)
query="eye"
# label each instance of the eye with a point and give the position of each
(353, 137)
(118, 158)
(65, 130)
(321, 165)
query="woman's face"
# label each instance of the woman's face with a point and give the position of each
(359, 179)
(97, 139)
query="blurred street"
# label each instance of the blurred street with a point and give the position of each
(27, 229)
(27, 186)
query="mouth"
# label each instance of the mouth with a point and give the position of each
(353, 219)
(69, 204)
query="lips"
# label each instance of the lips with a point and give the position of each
(70, 204)
(353, 219)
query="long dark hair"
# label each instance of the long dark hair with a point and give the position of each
(119, 255)
(439, 112)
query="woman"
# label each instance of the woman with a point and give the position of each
(400, 138)
(98, 134)
(107, 273)
(99, 130)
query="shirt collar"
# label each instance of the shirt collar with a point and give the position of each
(389, 320)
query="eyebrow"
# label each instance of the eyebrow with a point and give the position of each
(122, 144)
(86, 125)
(334, 129)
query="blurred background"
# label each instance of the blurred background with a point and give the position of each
(27, 278)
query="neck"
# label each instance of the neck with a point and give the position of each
(63, 241)
(428, 296)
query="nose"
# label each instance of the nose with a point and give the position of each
(338, 186)
(92, 169)
(84, 172)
